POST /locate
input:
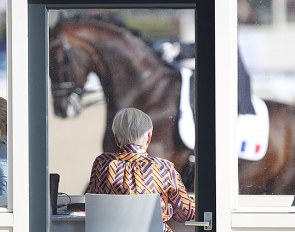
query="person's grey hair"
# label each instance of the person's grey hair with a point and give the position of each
(131, 125)
(3, 118)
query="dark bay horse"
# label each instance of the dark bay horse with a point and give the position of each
(133, 76)
(275, 173)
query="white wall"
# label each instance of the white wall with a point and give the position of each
(16, 217)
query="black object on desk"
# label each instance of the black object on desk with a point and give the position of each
(76, 207)
(54, 182)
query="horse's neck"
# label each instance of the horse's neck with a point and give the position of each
(125, 53)
(125, 64)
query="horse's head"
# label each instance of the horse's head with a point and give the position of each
(67, 71)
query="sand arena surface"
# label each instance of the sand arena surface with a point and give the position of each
(73, 144)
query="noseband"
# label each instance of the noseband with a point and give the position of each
(65, 89)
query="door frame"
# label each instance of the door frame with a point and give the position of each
(38, 87)
(205, 180)
(226, 112)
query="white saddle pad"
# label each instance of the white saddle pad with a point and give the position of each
(186, 124)
(253, 132)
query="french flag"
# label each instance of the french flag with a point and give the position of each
(245, 146)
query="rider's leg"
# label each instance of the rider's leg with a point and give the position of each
(244, 89)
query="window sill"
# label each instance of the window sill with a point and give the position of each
(262, 220)
(6, 219)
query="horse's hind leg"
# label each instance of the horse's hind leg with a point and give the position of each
(252, 177)
(284, 182)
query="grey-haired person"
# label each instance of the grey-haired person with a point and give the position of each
(132, 170)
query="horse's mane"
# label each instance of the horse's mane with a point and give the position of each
(110, 20)
(106, 17)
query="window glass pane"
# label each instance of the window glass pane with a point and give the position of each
(290, 7)
(133, 62)
(3, 106)
(255, 11)
(267, 55)
(3, 78)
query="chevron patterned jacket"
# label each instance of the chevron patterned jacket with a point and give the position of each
(133, 171)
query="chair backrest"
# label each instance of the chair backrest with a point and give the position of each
(122, 213)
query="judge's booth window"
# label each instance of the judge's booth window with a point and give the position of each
(266, 122)
(102, 60)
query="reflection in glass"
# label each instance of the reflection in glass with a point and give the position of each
(255, 11)
(267, 53)
(3, 48)
(3, 146)
(290, 7)
(3, 106)
(102, 60)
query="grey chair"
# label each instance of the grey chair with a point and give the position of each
(123, 213)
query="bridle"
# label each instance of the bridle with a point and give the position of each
(68, 87)
(65, 89)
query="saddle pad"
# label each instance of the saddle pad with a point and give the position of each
(253, 132)
(186, 124)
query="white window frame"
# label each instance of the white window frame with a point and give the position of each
(5, 199)
(226, 112)
(234, 213)
(16, 216)
(230, 216)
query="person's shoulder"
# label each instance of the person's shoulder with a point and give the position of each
(162, 161)
(105, 157)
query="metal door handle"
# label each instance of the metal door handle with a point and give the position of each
(207, 223)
